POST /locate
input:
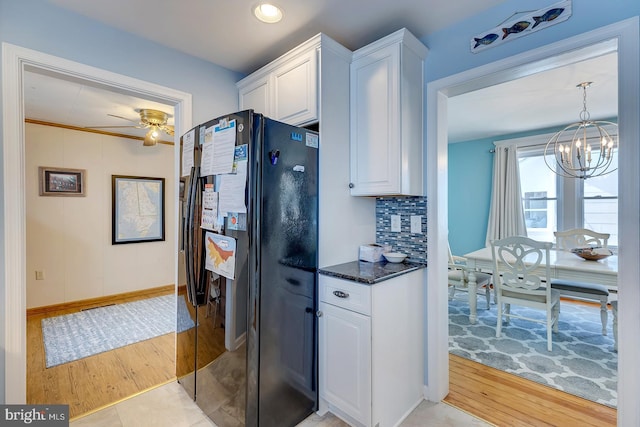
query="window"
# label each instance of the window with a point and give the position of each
(539, 197)
(535, 209)
(552, 202)
(601, 204)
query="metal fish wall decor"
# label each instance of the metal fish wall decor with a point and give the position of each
(528, 23)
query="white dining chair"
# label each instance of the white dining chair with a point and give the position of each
(459, 277)
(576, 289)
(518, 283)
(580, 238)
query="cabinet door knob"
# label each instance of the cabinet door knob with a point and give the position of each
(318, 313)
(341, 294)
(351, 185)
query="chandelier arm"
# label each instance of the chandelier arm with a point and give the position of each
(565, 171)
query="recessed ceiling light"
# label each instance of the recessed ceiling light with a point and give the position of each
(268, 13)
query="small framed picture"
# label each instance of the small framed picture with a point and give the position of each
(61, 181)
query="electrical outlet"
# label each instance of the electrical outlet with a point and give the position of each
(395, 223)
(416, 224)
(39, 275)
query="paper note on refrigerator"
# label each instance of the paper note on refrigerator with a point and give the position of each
(232, 190)
(188, 141)
(241, 153)
(209, 219)
(221, 254)
(206, 160)
(224, 143)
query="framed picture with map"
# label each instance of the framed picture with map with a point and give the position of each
(137, 209)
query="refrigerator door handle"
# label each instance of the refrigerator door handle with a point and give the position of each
(189, 238)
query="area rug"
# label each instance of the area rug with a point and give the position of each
(582, 362)
(78, 335)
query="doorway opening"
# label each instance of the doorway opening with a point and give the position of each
(544, 103)
(16, 61)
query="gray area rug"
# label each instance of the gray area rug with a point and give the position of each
(582, 362)
(78, 335)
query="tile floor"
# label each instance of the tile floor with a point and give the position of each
(170, 406)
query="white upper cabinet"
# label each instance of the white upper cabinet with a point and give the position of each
(287, 88)
(255, 95)
(386, 106)
(295, 89)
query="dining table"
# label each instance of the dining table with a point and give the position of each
(563, 265)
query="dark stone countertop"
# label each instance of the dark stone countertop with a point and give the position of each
(370, 272)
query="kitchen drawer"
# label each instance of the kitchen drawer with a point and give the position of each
(346, 294)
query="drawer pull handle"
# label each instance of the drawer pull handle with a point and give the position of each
(341, 294)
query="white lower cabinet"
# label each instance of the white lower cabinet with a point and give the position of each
(371, 364)
(345, 347)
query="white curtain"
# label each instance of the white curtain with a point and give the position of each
(506, 216)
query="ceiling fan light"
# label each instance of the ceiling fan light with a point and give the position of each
(267, 12)
(151, 138)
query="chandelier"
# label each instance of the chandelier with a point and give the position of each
(583, 149)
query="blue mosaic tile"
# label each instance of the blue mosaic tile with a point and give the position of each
(413, 244)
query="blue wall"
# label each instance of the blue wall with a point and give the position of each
(41, 26)
(449, 51)
(470, 176)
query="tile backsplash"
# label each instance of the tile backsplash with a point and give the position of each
(413, 244)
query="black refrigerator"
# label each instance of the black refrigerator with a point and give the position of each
(266, 308)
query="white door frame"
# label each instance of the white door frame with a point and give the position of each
(627, 35)
(15, 60)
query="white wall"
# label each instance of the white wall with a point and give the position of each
(69, 238)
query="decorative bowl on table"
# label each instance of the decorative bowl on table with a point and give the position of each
(592, 253)
(395, 257)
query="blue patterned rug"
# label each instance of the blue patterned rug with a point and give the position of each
(582, 362)
(78, 335)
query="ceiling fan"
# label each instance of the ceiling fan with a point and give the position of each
(154, 120)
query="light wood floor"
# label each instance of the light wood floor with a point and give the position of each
(103, 379)
(94, 382)
(508, 400)
(97, 381)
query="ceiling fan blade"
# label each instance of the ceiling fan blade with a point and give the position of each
(168, 129)
(124, 118)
